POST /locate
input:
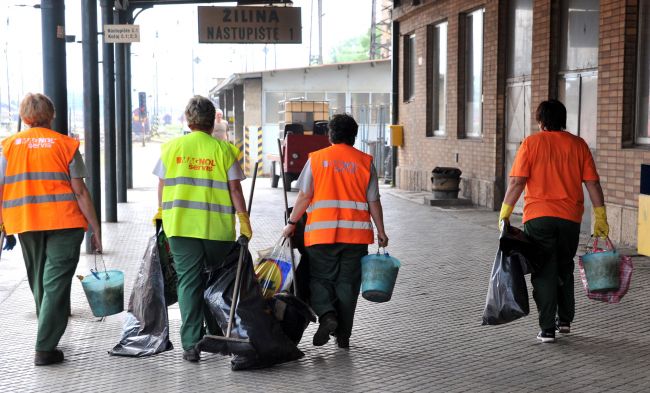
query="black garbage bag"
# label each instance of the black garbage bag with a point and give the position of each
(514, 241)
(253, 318)
(507, 296)
(294, 314)
(302, 271)
(170, 278)
(145, 330)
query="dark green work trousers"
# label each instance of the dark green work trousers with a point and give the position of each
(51, 258)
(553, 284)
(335, 271)
(191, 257)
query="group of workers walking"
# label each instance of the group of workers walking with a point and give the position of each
(200, 195)
(45, 201)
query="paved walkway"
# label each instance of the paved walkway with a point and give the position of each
(428, 338)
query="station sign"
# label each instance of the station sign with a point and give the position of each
(250, 25)
(121, 34)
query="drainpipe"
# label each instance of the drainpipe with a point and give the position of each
(395, 91)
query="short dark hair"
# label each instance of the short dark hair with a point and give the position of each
(200, 113)
(552, 115)
(343, 129)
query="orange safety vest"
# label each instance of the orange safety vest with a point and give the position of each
(338, 212)
(37, 193)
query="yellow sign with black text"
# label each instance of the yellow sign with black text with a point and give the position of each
(250, 25)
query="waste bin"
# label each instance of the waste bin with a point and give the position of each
(445, 182)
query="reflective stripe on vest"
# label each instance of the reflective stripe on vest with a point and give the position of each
(38, 194)
(37, 176)
(338, 224)
(210, 207)
(337, 204)
(220, 185)
(38, 199)
(196, 198)
(338, 212)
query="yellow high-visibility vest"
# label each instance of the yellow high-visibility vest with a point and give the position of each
(196, 201)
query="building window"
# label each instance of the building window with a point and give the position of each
(315, 96)
(360, 103)
(473, 73)
(643, 76)
(578, 73)
(273, 107)
(437, 78)
(337, 102)
(409, 67)
(380, 109)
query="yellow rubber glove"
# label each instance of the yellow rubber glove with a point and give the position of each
(158, 216)
(245, 225)
(601, 228)
(504, 215)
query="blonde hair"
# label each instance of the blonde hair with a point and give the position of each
(200, 114)
(37, 110)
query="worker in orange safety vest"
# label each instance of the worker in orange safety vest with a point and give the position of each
(45, 201)
(340, 192)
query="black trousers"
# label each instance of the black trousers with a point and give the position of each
(553, 284)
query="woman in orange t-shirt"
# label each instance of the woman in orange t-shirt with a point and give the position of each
(551, 166)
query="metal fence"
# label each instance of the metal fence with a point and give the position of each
(372, 137)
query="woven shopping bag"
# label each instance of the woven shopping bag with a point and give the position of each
(625, 277)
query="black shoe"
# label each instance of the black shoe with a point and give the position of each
(327, 325)
(343, 342)
(546, 335)
(562, 327)
(43, 358)
(192, 355)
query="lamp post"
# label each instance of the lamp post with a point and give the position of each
(8, 80)
(195, 60)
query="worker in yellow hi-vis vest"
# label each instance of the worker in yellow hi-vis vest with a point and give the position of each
(199, 194)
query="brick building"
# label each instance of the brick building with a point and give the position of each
(470, 75)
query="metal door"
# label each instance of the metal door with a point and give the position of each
(579, 92)
(518, 124)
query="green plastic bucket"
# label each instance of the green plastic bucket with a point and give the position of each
(105, 292)
(378, 276)
(602, 269)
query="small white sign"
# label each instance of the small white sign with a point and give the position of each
(121, 34)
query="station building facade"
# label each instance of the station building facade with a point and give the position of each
(471, 73)
(252, 102)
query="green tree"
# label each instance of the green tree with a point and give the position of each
(352, 49)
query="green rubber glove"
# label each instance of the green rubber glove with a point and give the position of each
(601, 228)
(504, 215)
(245, 225)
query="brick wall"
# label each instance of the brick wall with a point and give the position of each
(618, 160)
(480, 159)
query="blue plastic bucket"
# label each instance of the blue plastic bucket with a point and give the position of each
(602, 270)
(378, 276)
(105, 292)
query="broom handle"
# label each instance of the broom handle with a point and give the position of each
(243, 243)
(286, 217)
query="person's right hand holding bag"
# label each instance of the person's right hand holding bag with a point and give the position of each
(601, 227)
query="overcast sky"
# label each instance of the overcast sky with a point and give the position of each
(172, 52)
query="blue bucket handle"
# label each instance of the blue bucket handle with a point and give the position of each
(384, 248)
(394, 261)
(592, 245)
(95, 271)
